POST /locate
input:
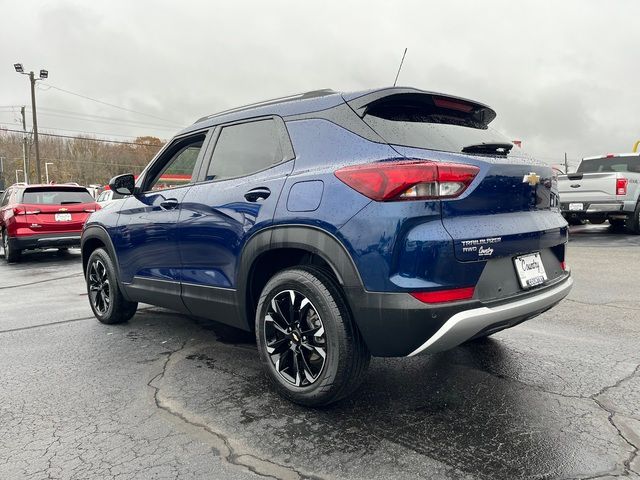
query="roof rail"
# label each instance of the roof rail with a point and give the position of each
(274, 101)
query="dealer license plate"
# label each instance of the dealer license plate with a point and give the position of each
(63, 217)
(530, 270)
(576, 207)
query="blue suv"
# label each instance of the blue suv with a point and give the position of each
(336, 226)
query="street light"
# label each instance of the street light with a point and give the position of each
(46, 169)
(32, 78)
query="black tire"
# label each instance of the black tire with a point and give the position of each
(105, 297)
(616, 223)
(575, 221)
(633, 224)
(11, 255)
(329, 327)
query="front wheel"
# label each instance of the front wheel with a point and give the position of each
(308, 343)
(106, 300)
(11, 254)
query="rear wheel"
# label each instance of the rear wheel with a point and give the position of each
(105, 297)
(11, 254)
(633, 224)
(308, 343)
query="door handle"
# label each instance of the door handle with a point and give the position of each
(169, 204)
(256, 194)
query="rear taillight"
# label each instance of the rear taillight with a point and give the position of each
(441, 296)
(621, 186)
(22, 211)
(564, 266)
(408, 180)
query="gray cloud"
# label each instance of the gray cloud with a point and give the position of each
(561, 75)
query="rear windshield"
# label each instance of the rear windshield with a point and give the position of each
(56, 196)
(615, 164)
(420, 125)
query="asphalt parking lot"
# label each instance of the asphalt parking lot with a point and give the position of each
(167, 396)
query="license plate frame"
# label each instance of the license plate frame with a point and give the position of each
(63, 217)
(576, 207)
(530, 270)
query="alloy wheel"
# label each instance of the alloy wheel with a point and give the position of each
(295, 338)
(99, 287)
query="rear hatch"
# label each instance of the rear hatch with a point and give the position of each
(510, 208)
(55, 209)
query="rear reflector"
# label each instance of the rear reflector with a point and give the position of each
(564, 266)
(408, 180)
(442, 296)
(621, 186)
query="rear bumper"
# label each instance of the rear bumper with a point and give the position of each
(468, 324)
(396, 325)
(59, 240)
(616, 209)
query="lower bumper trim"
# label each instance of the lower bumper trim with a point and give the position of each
(464, 325)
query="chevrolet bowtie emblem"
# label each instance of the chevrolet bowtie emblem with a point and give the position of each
(63, 209)
(532, 179)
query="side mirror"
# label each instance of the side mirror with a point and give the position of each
(123, 184)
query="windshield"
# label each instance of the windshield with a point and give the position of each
(56, 196)
(611, 164)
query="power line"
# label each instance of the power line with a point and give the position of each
(108, 122)
(106, 103)
(83, 138)
(79, 131)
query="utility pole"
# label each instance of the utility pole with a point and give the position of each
(32, 79)
(566, 164)
(44, 74)
(2, 158)
(24, 146)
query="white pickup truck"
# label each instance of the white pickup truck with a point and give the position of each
(603, 188)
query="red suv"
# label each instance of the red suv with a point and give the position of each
(43, 216)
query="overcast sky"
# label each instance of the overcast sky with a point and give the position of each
(562, 75)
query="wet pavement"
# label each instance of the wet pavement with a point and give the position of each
(166, 396)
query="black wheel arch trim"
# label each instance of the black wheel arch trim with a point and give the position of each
(303, 237)
(100, 233)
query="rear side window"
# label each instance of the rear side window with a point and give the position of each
(59, 196)
(5, 198)
(615, 164)
(244, 149)
(423, 121)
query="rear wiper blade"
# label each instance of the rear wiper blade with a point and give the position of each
(69, 203)
(489, 148)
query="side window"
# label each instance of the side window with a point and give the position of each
(5, 199)
(244, 149)
(176, 167)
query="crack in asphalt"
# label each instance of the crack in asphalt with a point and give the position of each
(611, 413)
(228, 453)
(40, 281)
(61, 322)
(607, 305)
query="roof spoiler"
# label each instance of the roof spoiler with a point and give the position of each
(475, 111)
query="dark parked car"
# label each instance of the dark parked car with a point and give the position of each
(43, 216)
(389, 222)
